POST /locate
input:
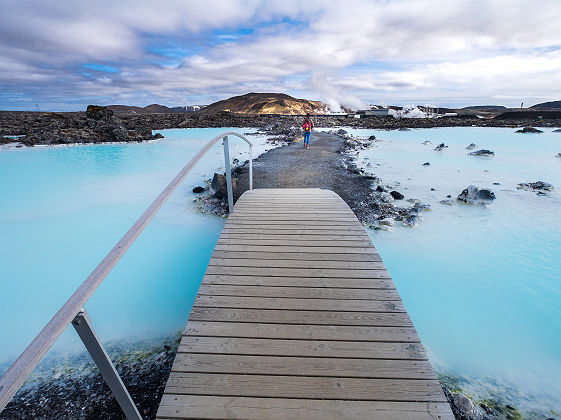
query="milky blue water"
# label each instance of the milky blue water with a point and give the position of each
(482, 284)
(64, 208)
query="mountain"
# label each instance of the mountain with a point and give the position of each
(150, 109)
(265, 103)
(547, 105)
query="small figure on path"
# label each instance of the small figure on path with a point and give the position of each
(308, 125)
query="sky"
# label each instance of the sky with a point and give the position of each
(61, 55)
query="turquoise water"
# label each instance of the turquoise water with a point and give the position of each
(64, 208)
(482, 284)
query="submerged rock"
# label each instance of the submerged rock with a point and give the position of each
(447, 202)
(341, 132)
(440, 147)
(426, 164)
(473, 195)
(397, 195)
(558, 155)
(471, 146)
(535, 186)
(404, 129)
(529, 130)
(482, 152)
(426, 142)
(557, 131)
(411, 220)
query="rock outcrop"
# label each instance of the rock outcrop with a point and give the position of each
(474, 195)
(482, 152)
(529, 130)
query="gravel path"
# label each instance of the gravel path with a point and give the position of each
(320, 166)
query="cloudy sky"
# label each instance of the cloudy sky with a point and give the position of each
(63, 55)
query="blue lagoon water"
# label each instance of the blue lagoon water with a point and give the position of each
(482, 284)
(64, 208)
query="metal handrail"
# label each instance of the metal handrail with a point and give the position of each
(18, 372)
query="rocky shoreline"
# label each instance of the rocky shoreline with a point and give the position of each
(101, 125)
(73, 388)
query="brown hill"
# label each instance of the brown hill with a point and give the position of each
(265, 103)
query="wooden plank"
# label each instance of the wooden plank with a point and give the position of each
(303, 304)
(310, 348)
(305, 387)
(289, 242)
(298, 272)
(381, 283)
(299, 292)
(306, 237)
(284, 263)
(215, 407)
(298, 331)
(272, 231)
(303, 366)
(291, 248)
(307, 255)
(294, 224)
(275, 316)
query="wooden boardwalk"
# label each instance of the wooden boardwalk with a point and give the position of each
(297, 317)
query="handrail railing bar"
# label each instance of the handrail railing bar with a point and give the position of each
(18, 372)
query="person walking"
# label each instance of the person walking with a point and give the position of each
(307, 126)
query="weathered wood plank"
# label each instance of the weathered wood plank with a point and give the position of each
(307, 255)
(380, 283)
(215, 407)
(303, 366)
(290, 242)
(413, 390)
(274, 231)
(298, 331)
(275, 316)
(298, 272)
(291, 248)
(285, 263)
(303, 304)
(298, 292)
(309, 348)
(306, 237)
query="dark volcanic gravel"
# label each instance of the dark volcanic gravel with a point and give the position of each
(79, 392)
(321, 166)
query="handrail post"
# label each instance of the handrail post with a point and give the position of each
(83, 327)
(227, 165)
(250, 167)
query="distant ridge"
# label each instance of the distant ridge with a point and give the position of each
(152, 109)
(547, 105)
(265, 103)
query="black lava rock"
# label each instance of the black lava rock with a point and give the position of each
(198, 189)
(397, 195)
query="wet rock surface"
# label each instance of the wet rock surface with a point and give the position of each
(482, 152)
(535, 186)
(474, 195)
(77, 390)
(529, 130)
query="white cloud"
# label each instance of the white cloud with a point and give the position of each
(470, 49)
